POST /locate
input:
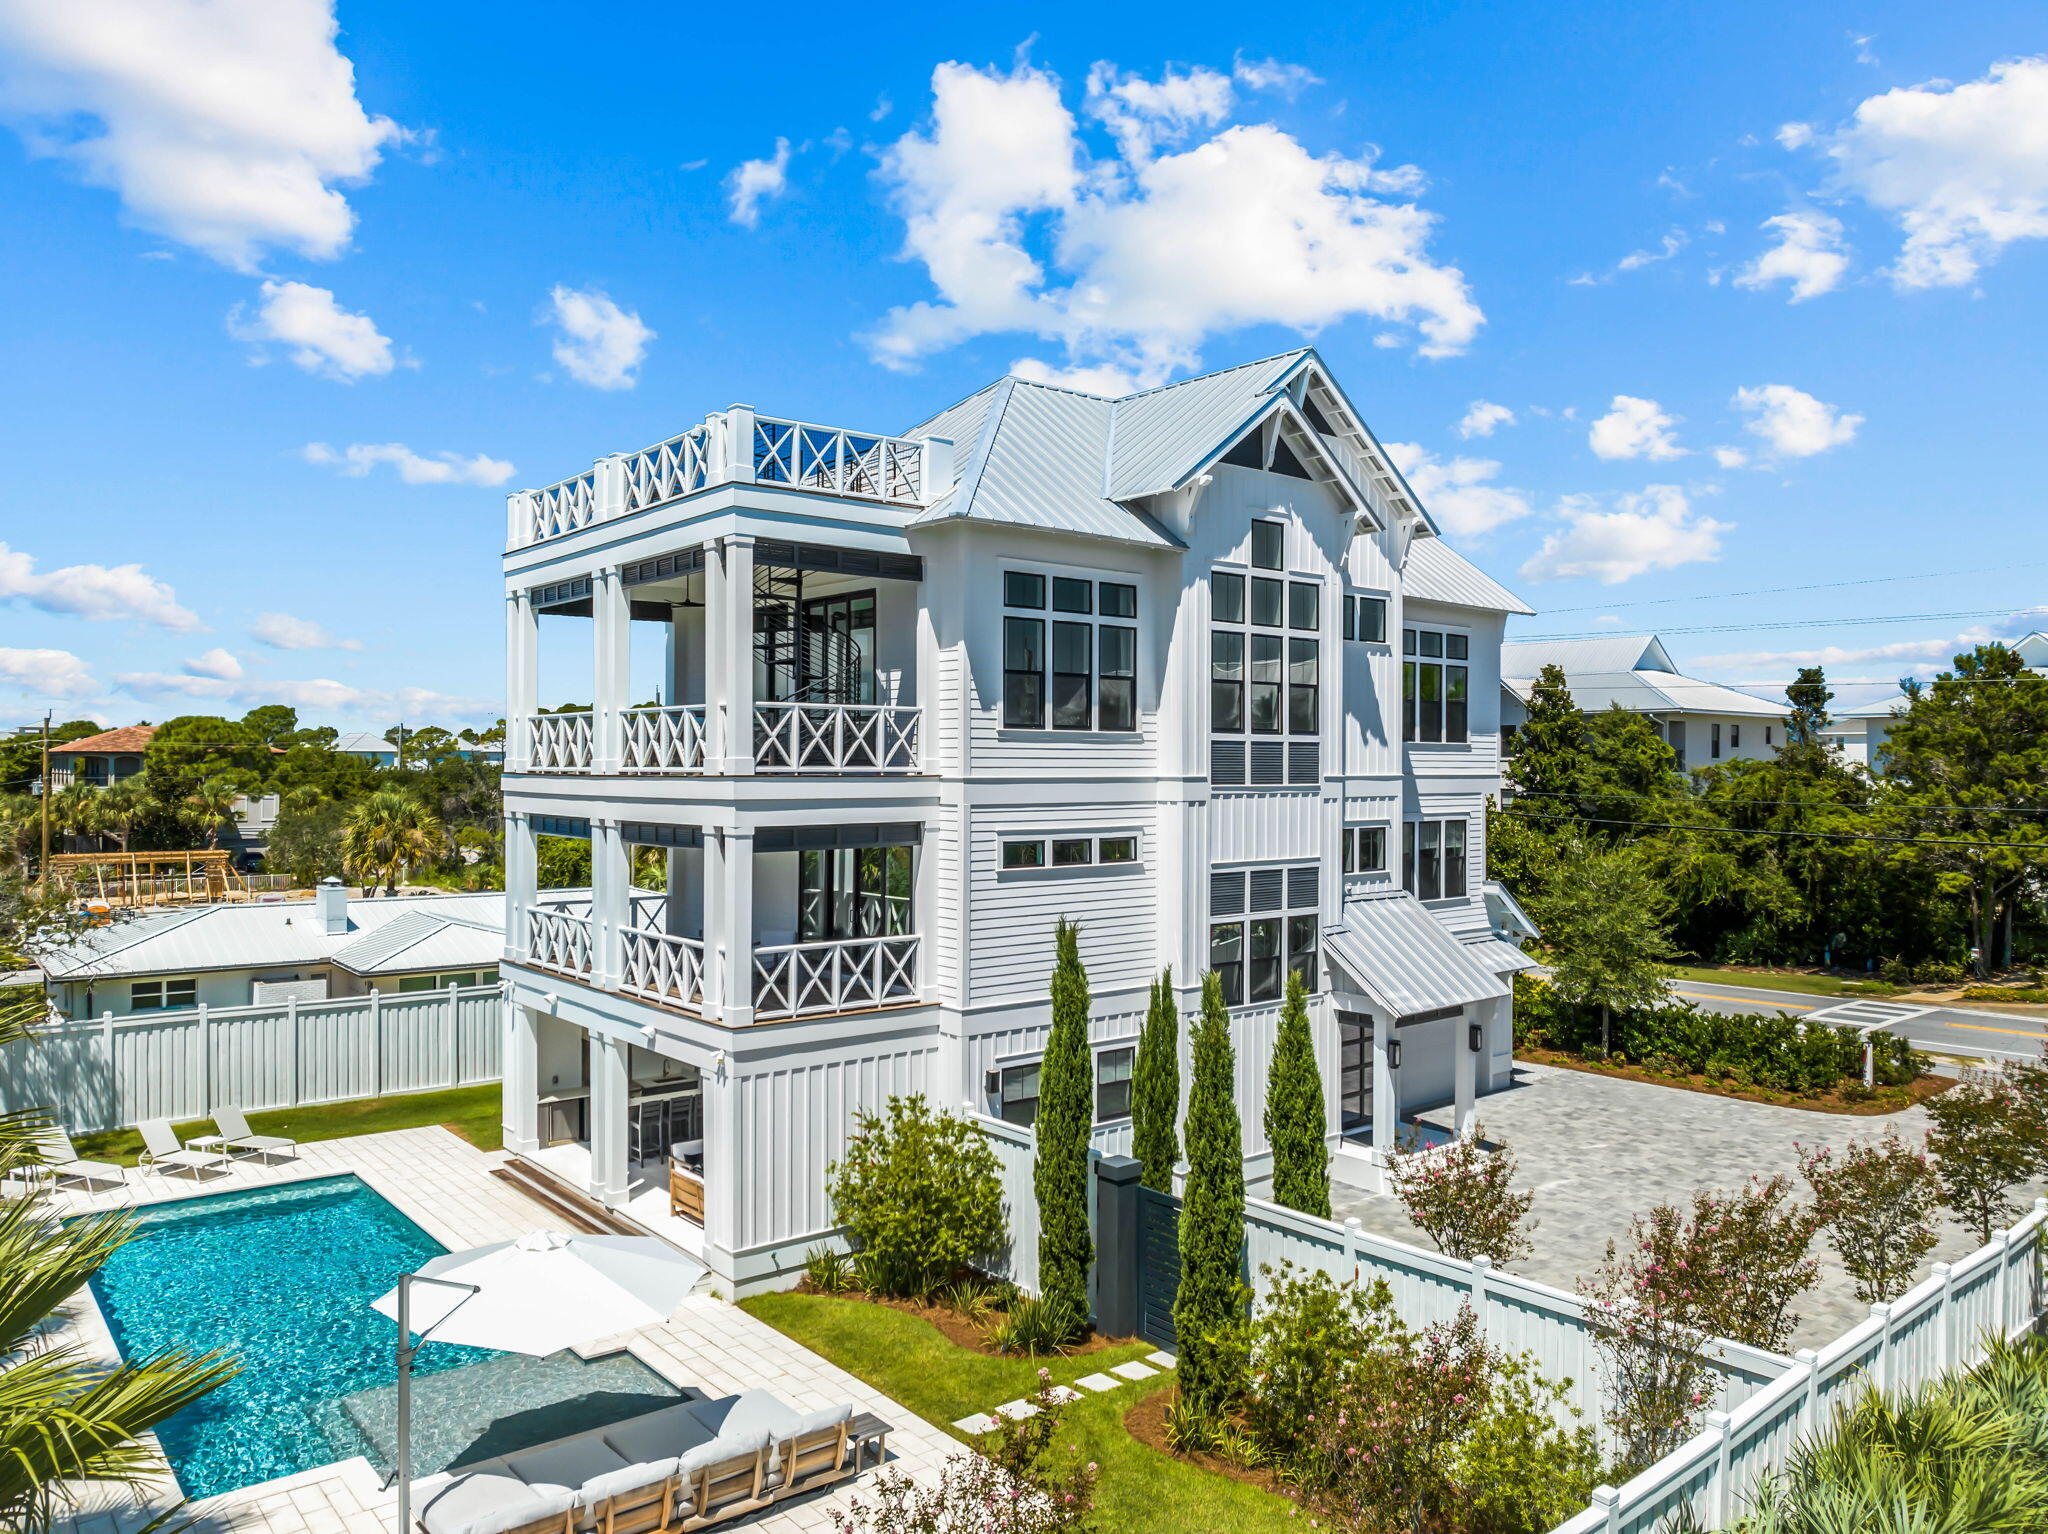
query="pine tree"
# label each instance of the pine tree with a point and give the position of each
(1549, 760)
(1066, 1093)
(1155, 1089)
(1207, 1305)
(1294, 1111)
(1809, 697)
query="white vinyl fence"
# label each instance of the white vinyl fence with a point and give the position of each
(110, 1072)
(1015, 1150)
(1941, 1325)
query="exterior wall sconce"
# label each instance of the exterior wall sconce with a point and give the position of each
(1393, 1054)
(992, 1082)
(1475, 1037)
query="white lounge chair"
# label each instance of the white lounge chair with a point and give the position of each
(162, 1154)
(236, 1139)
(63, 1163)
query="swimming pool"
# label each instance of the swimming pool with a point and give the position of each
(283, 1278)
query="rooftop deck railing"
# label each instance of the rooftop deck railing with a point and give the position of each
(736, 446)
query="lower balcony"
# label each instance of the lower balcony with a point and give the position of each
(875, 738)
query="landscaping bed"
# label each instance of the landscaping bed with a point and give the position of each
(1852, 1099)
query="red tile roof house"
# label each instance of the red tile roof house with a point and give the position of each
(114, 756)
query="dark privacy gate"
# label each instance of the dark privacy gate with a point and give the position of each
(1137, 1254)
(1158, 1265)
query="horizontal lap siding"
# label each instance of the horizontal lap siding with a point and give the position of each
(1012, 916)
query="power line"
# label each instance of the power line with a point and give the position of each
(1829, 836)
(1857, 809)
(1771, 591)
(1793, 623)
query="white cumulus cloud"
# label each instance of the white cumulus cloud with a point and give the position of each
(1655, 529)
(317, 333)
(102, 593)
(1793, 422)
(1458, 491)
(1962, 169)
(1022, 229)
(281, 631)
(754, 182)
(46, 674)
(224, 124)
(444, 468)
(1809, 255)
(216, 663)
(600, 344)
(1483, 418)
(1634, 428)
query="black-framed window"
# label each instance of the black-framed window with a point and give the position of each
(1714, 738)
(1365, 849)
(853, 892)
(1263, 922)
(162, 995)
(1113, 1084)
(1017, 1093)
(1436, 686)
(1433, 859)
(1305, 606)
(1082, 673)
(1265, 675)
(1269, 544)
(1365, 619)
(1025, 854)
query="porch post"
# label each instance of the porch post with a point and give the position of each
(733, 895)
(522, 676)
(1465, 1072)
(522, 1079)
(609, 1172)
(729, 654)
(611, 890)
(1386, 1090)
(612, 612)
(522, 878)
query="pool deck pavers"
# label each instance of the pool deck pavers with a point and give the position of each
(443, 1183)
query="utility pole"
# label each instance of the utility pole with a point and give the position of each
(43, 868)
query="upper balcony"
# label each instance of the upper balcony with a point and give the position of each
(736, 447)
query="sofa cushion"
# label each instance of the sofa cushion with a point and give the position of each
(748, 1412)
(724, 1447)
(615, 1483)
(823, 1417)
(568, 1463)
(659, 1434)
(491, 1504)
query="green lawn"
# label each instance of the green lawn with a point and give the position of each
(472, 1112)
(1140, 1491)
(1782, 980)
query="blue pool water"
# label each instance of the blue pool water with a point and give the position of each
(283, 1279)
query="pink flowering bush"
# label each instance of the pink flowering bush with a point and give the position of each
(1877, 1200)
(1463, 1198)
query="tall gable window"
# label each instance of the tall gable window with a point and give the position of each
(1076, 668)
(1436, 686)
(1265, 670)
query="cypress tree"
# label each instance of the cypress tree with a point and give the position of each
(1208, 1303)
(1155, 1089)
(1294, 1111)
(1066, 1100)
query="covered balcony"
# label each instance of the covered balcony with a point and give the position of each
(827, 917)
(740, 656)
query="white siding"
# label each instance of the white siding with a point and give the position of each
(1012, 915)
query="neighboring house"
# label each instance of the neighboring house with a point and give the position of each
(117, 755)
(233, 955)
(374, 749)
(1861, 731)
(1191, 667)
(1702, 722)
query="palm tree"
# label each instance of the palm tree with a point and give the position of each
(387, 833)
(212, 805)
(81, 810)
(125, 803)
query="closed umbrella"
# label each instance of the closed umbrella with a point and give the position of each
(536, 1295)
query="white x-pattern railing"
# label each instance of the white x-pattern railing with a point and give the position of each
(835, 737)
(668, 470)
(664, 967)
(565, 507)
(559, 742)
(814, 979)
(557, 940)
(843, 462)
(669, 739)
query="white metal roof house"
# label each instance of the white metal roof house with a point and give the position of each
(233, 955)
(1703, 722)
(1861, 731)
(1191, 667)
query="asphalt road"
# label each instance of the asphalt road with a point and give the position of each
(1949, 1030)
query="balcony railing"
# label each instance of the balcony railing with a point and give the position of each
(669, 470)
(557, 940)
(662, 739)
(664, 967)
(564, 507)
(559, 742)
(842, 462)
(835, 737)
(815, 979)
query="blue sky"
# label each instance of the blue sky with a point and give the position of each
(1666, 306)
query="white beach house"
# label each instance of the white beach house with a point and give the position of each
(1191, 667)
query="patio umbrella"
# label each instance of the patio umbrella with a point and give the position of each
(536, 1295)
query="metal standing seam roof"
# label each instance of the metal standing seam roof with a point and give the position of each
(1403, 958)
(1436, 572)
(1499, 956)
(251, 935)
(422, 940)
(1164, 433)
(1654, 692)
(1621, 652)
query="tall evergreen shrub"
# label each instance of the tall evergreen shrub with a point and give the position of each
(1208, 1304)
(1294, 1111)
(1155, 1089)
(1066, 1103)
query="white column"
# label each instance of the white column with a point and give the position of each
(610, 1175)
(738, 463)
(733, 895)
(713, 908)
(729, 657)
(724, 1183)
(1465, 1070)
(614, 662)
(1386, 1090)
(522, 676)
(522, 876)
(522, 1078)
(611, 888)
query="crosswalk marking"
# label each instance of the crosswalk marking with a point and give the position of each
(1871, 1014)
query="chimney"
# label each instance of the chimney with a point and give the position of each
(330, 906)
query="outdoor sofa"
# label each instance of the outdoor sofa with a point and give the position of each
(670, 1471)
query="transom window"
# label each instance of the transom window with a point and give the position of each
(1433, 859)
(1365, 619)
(1436, 685)
(1068, 852)
(1113, 1084)
(1365, 849)
(1263, 922)
(159, 995)
(1077, 669)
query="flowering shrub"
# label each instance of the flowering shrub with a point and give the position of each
(1877, 1203)
(1463, 1198)
(1014, 1484)
(1990, 1135)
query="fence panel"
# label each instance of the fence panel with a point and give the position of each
(111, 1072)
(1015, 1152)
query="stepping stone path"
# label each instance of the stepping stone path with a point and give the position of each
(1019, 1409)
